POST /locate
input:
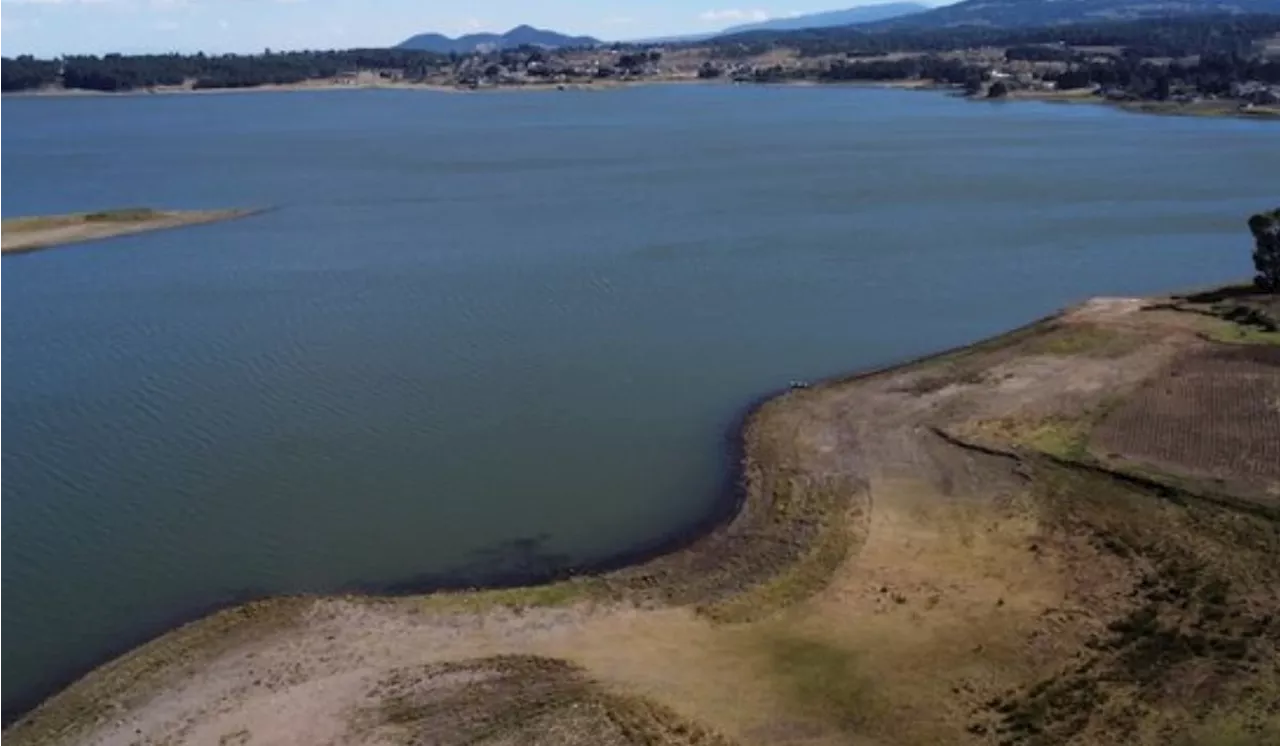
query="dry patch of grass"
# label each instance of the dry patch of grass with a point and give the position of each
(823, 680)
(1082, 339)
(1057, 436)
(518, 699)
(834, 535)
(1196, 641)
(562, 593)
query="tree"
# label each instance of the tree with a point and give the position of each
(998, 89)
(973, 84)
(1266, 252)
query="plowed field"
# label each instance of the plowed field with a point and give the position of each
(1213, 413)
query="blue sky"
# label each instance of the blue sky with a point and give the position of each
(52, 27)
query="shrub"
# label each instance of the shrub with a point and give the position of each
(1266, 252)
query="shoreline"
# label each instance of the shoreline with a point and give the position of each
(852, 520)
(731, 502)
(1161, 108)
(23, 235)
(326, 85)
(731, 496)
(728, 506)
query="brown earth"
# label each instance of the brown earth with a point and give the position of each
(1213, 414)
(935, 553)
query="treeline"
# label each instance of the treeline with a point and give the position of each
(1156, 37)
(1214, 75)
(114, 72)
(929, 67)
(25, 73)
(1211, 75)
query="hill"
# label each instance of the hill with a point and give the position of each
(847, 17)
(516, 37)
(1008, 13)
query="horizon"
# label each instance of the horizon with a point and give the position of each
(57, 28)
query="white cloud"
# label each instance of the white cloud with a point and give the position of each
(166, 26)
(734, 14)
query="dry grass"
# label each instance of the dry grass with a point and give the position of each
(133, 678)
(1083, 339)
(517, 699)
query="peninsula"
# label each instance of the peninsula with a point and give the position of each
(31, 233)
(1066, 534)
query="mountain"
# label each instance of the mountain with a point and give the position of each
(1006, 13)
(863, 14)
(518, 36)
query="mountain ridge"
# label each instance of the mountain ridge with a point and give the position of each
(1012, 13)
(519, 36)
(847, 17)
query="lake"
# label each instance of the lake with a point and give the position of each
(495, 334)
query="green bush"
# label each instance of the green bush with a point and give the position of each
(1266, 253)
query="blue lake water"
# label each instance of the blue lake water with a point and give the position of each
(492, 333)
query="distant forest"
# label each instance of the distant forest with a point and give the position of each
(1178, 36)
(114, 72)
(1227, 44)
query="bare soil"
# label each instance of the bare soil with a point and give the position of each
(1214, 413)
(928, 554)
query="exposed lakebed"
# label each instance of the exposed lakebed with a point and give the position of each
(502, 333)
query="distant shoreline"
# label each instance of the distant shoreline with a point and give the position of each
(1224, 108)
(26, 234)
(334, 85)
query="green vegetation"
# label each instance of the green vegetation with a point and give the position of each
(123, 215)
(116, 72)
(823, 680)
(1265, 227)
(1165, 37)
(1234, 333)
(1065, 438)
(804, 575)
(552, 594)
(1090, 340)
